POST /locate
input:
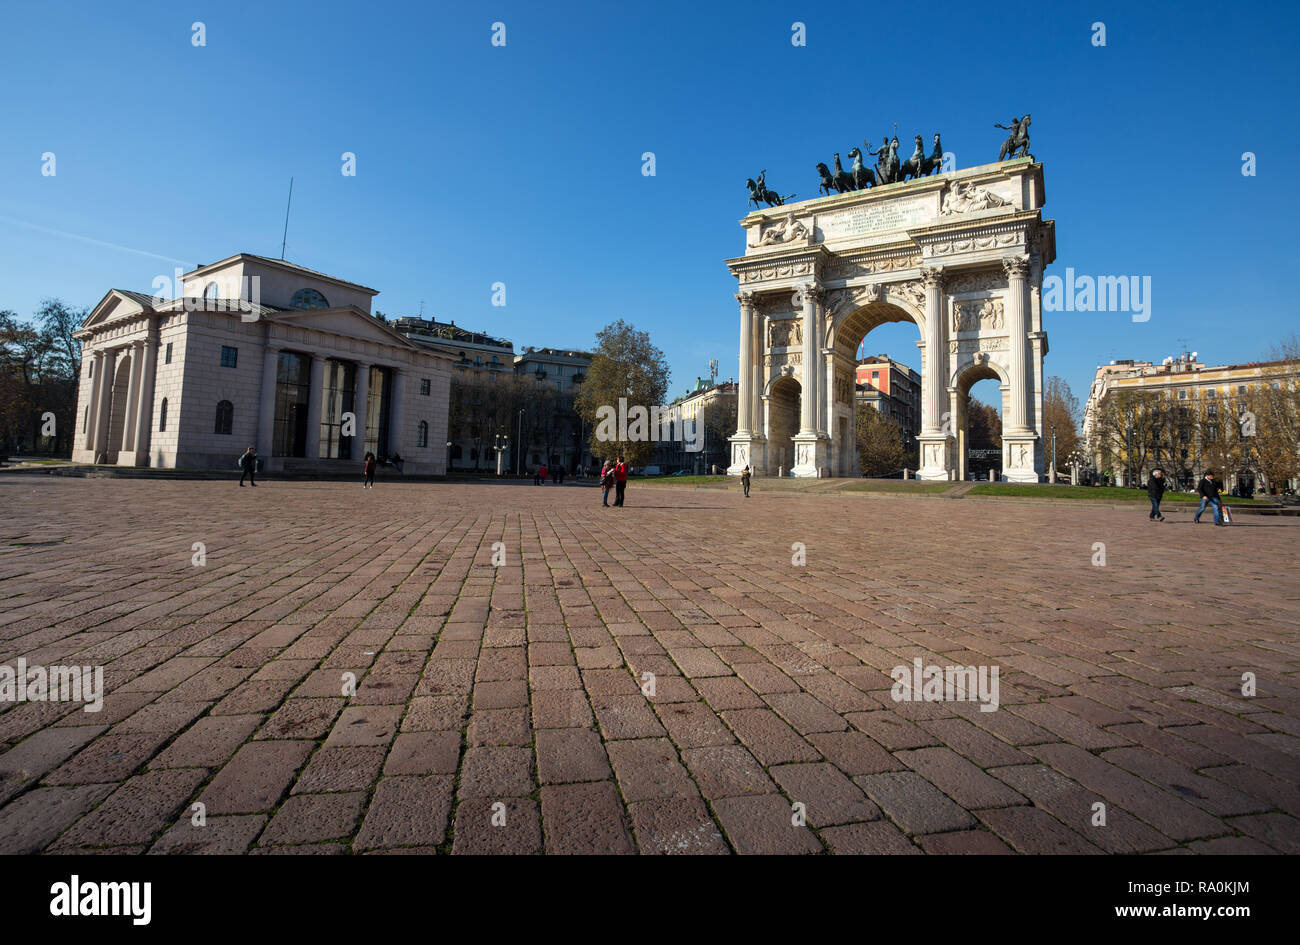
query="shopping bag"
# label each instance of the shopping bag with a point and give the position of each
(1227, 515)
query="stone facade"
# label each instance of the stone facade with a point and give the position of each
(192, 381)
(961, 255)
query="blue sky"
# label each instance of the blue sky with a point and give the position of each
(522, 164)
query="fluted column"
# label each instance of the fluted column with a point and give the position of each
(126, 450)
(315, 394)
(144, 406)
(358, 440)
(103, 415)
(827, 414)
(96, 383)
(808, 294)
(745, 376)
(756, 374)
(266, 406)
(934, 381)
(1017, 268)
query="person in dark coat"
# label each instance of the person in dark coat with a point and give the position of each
(744, 480)
(1155, 492)
(368, 471)
(248, 463)
(1209, 490)
(606, 482)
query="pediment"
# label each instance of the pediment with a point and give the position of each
(349, 322)
(114, 305)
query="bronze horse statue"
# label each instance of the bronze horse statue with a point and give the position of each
(862, 175)
(828, 182)
(912, 166)
(759, 192)
(1018, 140)
(842, 179)
(934, 163)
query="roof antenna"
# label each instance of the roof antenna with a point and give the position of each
(286, 220)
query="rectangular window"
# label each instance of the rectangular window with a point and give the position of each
(1241, 388)
(230, 358)
(1182, 395)
(1211, 393)
(424, 387)
(167, 357)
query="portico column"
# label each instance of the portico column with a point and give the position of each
(756, 372)
(96, 382)
(359, 411)
(745, 396)
(1017, 267)
(828, 394)
(126, 451)
(144, 408)
(102, 417)
(266, 406)
(934, 380)
(397, 412)
(314, 397)
(807, 294)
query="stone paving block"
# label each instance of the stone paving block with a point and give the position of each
(572, 754)
(218, 836)
(874, 838)
(312, 818)
(482, 827)
(340, 770)
(912, 802)
(584, 818)
(770, 739)
(675, 826)
(497, 772)
(31, 821)
(727, 771)
(141, 808)
(829, 798)
(424, 753)
(648, 768)
(762, 825)
(959, 779)
(561, 708)
(365, 726)
(406, 811)
(254, 780)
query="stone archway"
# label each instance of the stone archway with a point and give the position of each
(965, 377)
(960, 254)
(844, 335)
(782, 407)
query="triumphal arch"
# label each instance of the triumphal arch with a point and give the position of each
(959, 254)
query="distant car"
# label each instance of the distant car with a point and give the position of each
(649, 471)
(682, 472)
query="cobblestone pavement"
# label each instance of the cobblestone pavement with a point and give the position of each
(518, 694)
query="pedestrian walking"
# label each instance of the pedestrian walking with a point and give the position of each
(620, 481)
(744, 480)
(248, 463)
(368, 471)
(606, 482)
(542, 473)
(1155, 492)
(1209, 490)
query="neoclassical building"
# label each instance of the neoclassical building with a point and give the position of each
(961, 255)
(257, 351)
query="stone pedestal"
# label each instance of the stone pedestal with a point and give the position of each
(746, 450)
(935, 448)
(1018, 459)
(812, 454)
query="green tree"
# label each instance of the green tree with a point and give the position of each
(1060, 414)
(880, 443)
(626, 366)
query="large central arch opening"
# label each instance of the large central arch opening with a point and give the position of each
(876, 415)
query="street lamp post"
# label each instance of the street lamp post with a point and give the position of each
(502, 443)
(1053, 477)
(449, 457)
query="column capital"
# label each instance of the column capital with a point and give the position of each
(1016, 267)
(807, 290)
(933, 276)
(746, 298)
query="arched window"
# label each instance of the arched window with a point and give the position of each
(162, 417)
(422, 436)
(211, 292)
(225, 417)
(308, 299)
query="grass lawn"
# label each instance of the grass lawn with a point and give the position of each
(1108, 493)
(898, 485)
(689, 480)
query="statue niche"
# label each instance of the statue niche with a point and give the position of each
(977, 315)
